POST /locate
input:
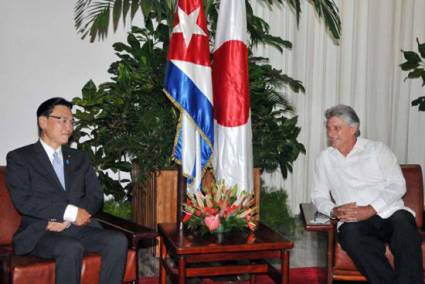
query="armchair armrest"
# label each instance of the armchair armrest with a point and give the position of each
(310, 217)
(134, 232)
(5, 259)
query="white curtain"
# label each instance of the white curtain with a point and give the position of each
(362, 71)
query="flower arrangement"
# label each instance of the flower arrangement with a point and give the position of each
(220, 209)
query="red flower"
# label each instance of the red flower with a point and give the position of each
(187, 217)
(210, 211)
(251, 239)
(212, 222)
(251, 226)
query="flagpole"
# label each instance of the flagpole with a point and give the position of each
(181, 190)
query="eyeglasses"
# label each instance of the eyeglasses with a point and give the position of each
(63, 120)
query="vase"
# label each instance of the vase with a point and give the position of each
(221, 233)
(221, 229)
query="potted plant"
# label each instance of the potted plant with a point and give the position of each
(127, 124)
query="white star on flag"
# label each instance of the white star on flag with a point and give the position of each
(188, 25)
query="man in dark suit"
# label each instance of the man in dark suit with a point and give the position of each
(56, 191)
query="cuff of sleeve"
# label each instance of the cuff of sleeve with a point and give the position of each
(378, 205)
(70, 213)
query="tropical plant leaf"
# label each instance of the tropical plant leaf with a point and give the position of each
(328, 10)
(421, 48)
(125, 8)
(416, 65)
(408, 65)
(420, 102)
(116, 14)
(411, 56)
(93, 17)
(134, 8)
(418, 72)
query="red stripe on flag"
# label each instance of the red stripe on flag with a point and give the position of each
(198, 51)
(230, 84)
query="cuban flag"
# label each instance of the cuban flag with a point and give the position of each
(233, 134)
(189, 86)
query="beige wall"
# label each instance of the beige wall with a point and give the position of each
(42, 56)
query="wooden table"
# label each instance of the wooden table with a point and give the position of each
(185, 255)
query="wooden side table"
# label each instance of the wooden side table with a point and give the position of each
(184, 255)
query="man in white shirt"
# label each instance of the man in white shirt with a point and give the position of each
(360, 183)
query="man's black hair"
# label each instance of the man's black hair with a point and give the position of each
(46, 108)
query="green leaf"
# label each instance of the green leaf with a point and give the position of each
(328, 10)
(100, 25)
(119, 47)
(419, 72)
(116, 14)
(421, 48)
(408, 65)
(420, 102)
(134, 7)
(125, 9)
(411, 56)
(146, 6)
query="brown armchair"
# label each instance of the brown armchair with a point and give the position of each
(26, 269)
(340, 266)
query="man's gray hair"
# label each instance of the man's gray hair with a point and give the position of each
(347, 114)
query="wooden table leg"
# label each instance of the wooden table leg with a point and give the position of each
(182, 270)
(284, 267)
(162, 260)
(252, 279)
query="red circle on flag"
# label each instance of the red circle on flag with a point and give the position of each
(230, 84)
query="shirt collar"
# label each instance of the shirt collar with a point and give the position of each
(358, 147)
(50, 151)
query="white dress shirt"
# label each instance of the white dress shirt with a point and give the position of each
(368, 175)
(71, 211)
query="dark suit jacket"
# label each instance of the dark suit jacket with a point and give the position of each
(38, 194)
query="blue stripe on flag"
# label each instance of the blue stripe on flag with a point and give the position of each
(190, 98)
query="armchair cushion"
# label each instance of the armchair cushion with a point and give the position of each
(343, 261)
(27, 268)
(9, 218)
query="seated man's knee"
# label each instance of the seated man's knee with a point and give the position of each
(404, 228)
(403, 219)
(70, 248)
(349, 236)
(117, 241)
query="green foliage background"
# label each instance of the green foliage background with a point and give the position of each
(275, 213)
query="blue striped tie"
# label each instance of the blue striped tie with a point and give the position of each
(58, 166)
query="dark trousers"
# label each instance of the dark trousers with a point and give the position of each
(365, 242)
(68, 248)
